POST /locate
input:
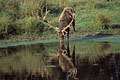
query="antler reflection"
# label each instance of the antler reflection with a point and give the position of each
(67, 62)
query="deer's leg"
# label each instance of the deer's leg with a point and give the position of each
(73, 53)
(68, 49)
(61, 40)
(67, 36)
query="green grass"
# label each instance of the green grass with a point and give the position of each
(85, 18)
(20, 14)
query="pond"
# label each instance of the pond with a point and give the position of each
(91, 58)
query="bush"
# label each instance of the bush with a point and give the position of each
(31, 25)
(19, 16)
(6, 19)
(101, 21)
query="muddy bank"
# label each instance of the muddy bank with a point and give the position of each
(78, 34)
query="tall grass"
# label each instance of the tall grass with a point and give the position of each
(31, 8)
(31, 25)
(63, 2)
(21, 16)
(90, 4)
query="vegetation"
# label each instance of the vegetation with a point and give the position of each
(18, 17)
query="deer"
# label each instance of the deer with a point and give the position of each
(66, 18)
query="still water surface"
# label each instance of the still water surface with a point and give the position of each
(79, 60)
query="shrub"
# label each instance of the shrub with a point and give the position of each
(101, 21)
(31, 25)
(6, 19)
(19, 16)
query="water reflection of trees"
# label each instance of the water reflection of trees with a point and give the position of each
(23, 62)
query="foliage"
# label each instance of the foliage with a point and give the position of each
(6, 23)
(21, 16)
(102, 21)
(31, 25)
(31, 8)
(109, 12)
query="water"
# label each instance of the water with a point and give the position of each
(92, 59)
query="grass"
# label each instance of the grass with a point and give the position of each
(85, 18)
(22, 16)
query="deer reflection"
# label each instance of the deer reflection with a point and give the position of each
(67, 61)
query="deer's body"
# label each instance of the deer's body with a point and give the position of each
(67, 15)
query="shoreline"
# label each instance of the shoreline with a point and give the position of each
(36, 37)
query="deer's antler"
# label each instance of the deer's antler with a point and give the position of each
(44, 19)
(46, 13)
